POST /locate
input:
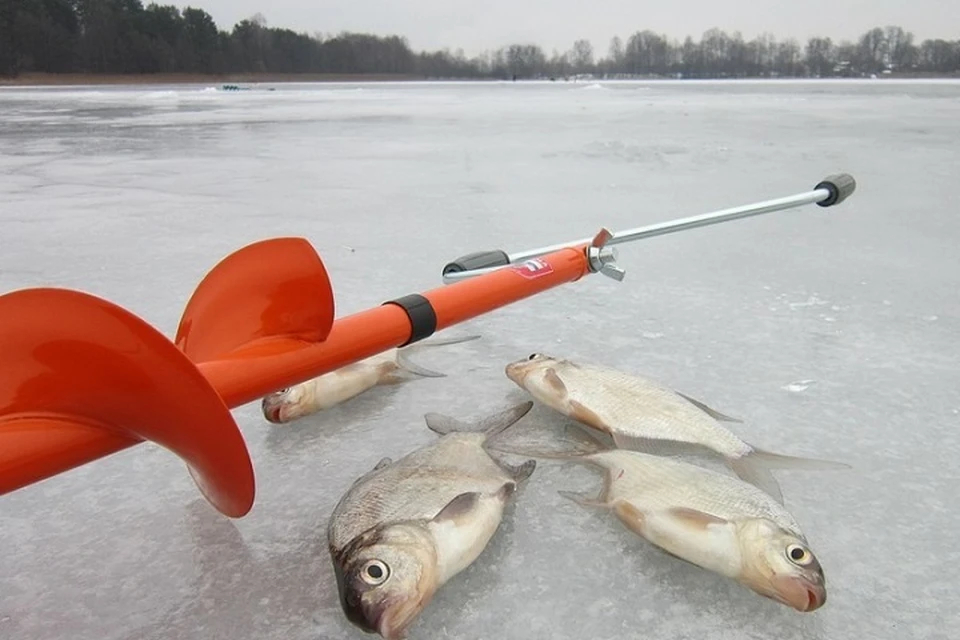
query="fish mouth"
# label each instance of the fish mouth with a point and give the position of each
(273, 412)
(803, 594)
(517, 371)
(392, 622)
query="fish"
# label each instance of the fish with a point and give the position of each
(707, 518)
(639, 413)
(407, 526)
(335, 387)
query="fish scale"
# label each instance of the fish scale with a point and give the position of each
(639, 407)
(652, 483)
(418, 486)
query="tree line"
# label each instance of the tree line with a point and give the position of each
(126, 37)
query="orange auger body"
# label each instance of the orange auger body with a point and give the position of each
(373, 331)
(83, 378)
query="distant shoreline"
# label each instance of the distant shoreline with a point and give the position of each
(73, 79)
(82, 79)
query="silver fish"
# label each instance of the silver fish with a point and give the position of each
(709, 519)
(330, 389)
(408, 526)
(641, 414)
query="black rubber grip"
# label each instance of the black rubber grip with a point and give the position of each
(840, 186)
(478, 260)
(423, 318)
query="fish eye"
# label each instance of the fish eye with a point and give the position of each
(799, 555)
(374, 573)
(533, 356)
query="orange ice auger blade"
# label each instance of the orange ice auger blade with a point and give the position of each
(83, 378)
(274, 293)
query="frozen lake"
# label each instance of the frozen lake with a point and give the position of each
(832, 332)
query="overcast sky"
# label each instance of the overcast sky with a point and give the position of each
(476, 25)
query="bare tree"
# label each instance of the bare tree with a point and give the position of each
(581, 56)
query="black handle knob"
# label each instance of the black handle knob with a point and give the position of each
(840, 186)
(478, 260)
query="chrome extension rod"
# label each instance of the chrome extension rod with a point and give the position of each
(830, 191)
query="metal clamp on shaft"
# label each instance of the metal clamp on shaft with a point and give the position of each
(603, 259)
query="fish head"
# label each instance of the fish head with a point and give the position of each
(286, 404)
(529, 371)
(386, 577)
(780, 565)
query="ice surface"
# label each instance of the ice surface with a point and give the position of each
(133, 193)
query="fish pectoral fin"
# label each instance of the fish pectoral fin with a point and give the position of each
(583, 499)
(458, 507)
(630, 516)
(695, 518)
(490, 425)
(587, 416)
(710, 411)
(552, 378)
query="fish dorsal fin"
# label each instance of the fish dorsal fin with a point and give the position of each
(490, 425)
(710, 411)
(382, 464)
(458, 507)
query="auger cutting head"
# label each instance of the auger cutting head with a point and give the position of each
(83, 378)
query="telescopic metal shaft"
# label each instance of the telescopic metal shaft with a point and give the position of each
(830, 191)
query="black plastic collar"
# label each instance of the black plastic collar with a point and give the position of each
(423, 319)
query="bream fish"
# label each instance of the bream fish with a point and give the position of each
(330, 389)
(707, 518)
(641, 414)
(408, 526)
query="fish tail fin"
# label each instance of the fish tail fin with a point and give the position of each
(780, 461)
(440, 342)
(489, 425)
(407, 369)
(756, 474)
(755, 466)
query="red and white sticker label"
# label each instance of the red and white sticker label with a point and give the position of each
(533, 268)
